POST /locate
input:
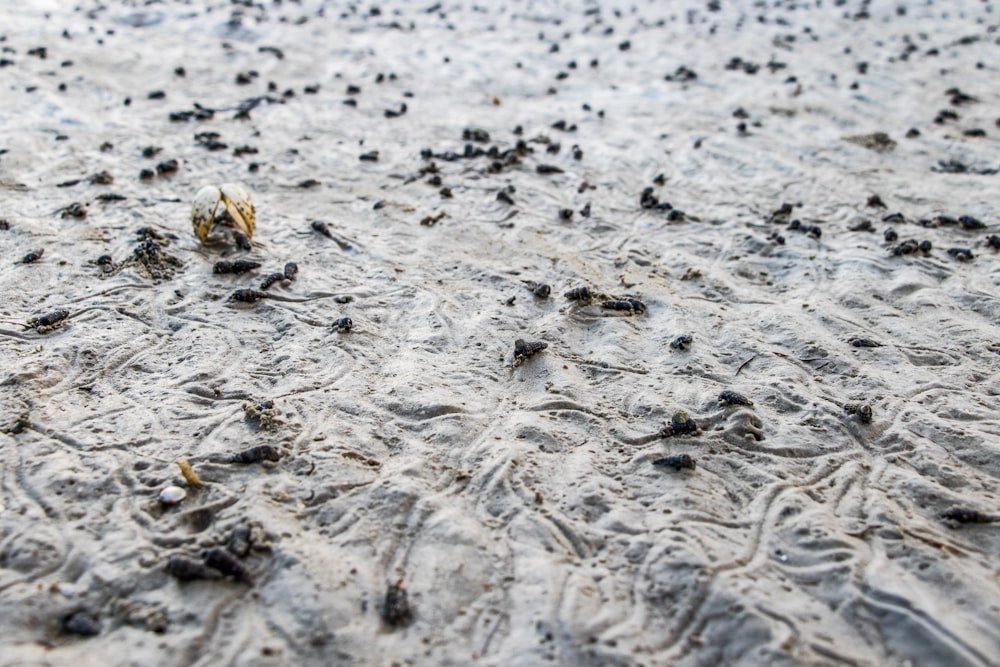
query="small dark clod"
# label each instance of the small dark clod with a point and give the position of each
(504, 197)
(993, 241)
(907, 247)
(966, 515)
(863, 342)
(682, 342)
(238, 266)
(247, 295)
(242, 241)
(970, 223)
(730, 397)
(167, 167)
(862, 226)
(566, 214)
(541, 290)
(548, 169)
(291, 271)
(862, 411)
(320, 226)
(226, 563)
(102, 178)
(370, 156)
(526, 349)
(680, 424)
(343, 325)
(33, 256)
(890, 236)
(188, 569)
(81, 623)
(47, 321)
(476, 134)
(629, 304)
(257, 454)
(395, 609)
(781, 214)
(676, 461)
(75, 210)
(240, 541)
(926, 246)
(579, 294)
(961, 254)
(647, 199)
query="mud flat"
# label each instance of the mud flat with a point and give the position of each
(765, 433)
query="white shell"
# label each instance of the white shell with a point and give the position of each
(203, 210)
(172, 495)
(236, 197)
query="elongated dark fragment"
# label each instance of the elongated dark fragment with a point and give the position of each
(730, 397)
(47, 320)
(33, 256)
(579, 294)
(257, 454)
(188, 569)
(248, 295)
(270, 279)
(676, 461)
(238, 266)
(626, 303)
(961, 254)
(226, 563)
(525, 349)
(966, 515)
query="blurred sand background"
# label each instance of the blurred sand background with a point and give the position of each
(519, 504)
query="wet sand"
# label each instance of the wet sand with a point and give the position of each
(739, 173)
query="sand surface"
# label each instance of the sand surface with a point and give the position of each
(519, 503)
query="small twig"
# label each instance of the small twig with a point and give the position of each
(743, 365)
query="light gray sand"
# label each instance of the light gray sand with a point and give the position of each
(519, 504)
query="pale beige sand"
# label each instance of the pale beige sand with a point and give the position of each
(519, 504)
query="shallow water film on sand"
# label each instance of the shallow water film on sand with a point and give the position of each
(520, 333)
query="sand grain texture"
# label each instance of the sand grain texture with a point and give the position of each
(519, 504)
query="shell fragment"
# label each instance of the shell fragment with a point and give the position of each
(172, 495)
(234, 196)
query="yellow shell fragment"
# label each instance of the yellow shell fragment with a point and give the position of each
(236, 197)
(203, 210)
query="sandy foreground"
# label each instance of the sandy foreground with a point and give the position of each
(737, 169)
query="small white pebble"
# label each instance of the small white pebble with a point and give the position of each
(172, 495)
